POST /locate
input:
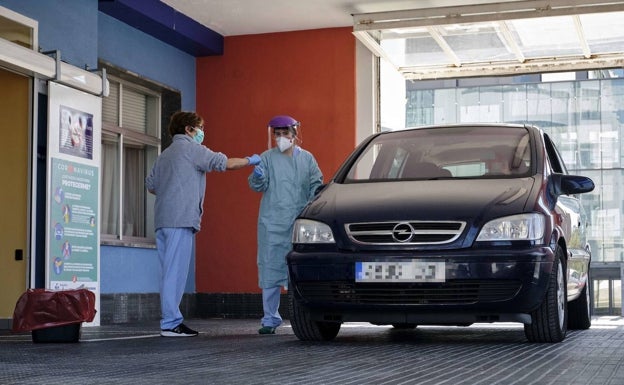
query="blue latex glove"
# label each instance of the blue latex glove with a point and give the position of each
(254, 159)
(258, 171)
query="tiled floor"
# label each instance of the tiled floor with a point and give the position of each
(231, 352)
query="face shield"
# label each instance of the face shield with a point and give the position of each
(273, 133)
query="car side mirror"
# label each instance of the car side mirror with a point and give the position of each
(571, 184)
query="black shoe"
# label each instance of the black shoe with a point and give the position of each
(179, 331)
(266, 330)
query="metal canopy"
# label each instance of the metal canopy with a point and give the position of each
(511, 38)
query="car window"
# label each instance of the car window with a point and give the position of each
(444, 153)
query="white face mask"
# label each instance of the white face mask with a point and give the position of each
(283, 143)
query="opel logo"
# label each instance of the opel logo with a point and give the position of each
(403, 232)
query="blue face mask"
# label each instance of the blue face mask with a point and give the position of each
(199, 136)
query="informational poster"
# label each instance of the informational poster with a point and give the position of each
(74, 224)
(73, 184)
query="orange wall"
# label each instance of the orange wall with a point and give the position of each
(309, 75)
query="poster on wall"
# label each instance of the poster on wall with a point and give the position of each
(73, 220)
(76, 132)
(73, 185)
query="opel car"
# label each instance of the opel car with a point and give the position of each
(445, 225)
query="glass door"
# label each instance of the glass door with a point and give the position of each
(607, 296)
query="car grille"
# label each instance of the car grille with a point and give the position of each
(450, 292)
(407, 232)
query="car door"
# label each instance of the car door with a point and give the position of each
(573, 224)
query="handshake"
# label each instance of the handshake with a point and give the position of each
(254, 160)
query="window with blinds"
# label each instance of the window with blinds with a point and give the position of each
(130, 144)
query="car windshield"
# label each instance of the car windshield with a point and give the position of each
(444, 153)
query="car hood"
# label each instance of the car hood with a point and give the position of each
(469, 200)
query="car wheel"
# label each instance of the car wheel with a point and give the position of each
(549, 320)
(307, 329)
(404, 326)
(579, 311)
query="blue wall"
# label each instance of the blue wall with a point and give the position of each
(93, 34)
(133, 270)
(83, 34)
(138, 52)
(60, 19)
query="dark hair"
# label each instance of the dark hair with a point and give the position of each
(292, 129)
(181, 119)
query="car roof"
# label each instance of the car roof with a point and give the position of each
(501, 125)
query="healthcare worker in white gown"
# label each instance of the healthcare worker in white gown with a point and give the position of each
(288, 177)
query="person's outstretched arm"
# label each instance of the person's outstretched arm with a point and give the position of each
(236, 163)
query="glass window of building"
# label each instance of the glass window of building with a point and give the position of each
(584, 118)
(131, 120)
(569, 84)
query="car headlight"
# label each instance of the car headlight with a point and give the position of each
(307, 231)
(524, 227)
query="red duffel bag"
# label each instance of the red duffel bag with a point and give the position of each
(41, 308)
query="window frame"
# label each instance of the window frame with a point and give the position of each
(123, 134)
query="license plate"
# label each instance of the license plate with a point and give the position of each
(400, 271)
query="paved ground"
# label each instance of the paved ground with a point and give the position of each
(230, 352)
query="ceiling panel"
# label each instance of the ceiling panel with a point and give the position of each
(509, 39)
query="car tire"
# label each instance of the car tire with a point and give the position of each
(307, 329)
(579, 310)
(549, 320)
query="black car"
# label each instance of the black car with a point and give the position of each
(445, 225)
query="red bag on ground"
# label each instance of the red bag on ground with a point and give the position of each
(41, 308)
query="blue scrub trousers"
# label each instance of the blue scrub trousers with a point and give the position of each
(270, 305)
(175, 248)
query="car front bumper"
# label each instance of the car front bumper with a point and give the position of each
(490, 285)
